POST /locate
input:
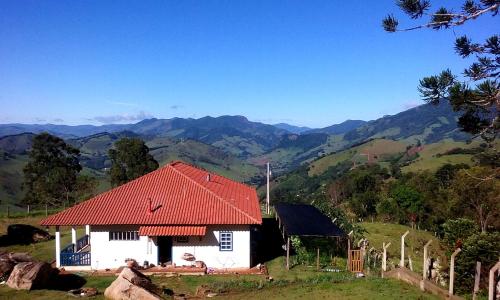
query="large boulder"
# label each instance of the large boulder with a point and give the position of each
(130, 285)
(30, 275)
(26, 234)
(9, 260)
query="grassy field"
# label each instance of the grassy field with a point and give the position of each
(428, 159)
(376, 149)
(378, 233)
(298, 283)
(301, 282)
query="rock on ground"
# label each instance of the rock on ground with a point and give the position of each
(27, 234)
(9, 260)
(30, 275)
(132, 285)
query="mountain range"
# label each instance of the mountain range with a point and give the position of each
(230, 145)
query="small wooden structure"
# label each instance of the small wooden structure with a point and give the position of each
(355, 261)
(304, 220)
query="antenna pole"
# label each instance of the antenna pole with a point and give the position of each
(267, 197)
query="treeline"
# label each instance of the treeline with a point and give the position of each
(423, 199)
(461, 204)
(54, 176)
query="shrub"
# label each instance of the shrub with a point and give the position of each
(457, 231)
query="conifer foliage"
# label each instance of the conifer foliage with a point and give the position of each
(480, 103)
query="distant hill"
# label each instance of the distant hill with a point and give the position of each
(94, 158)
(236, 134)
(427, 123)
(292, 128)
(17, 143)
(235, 145)
(63, 131)
(340, 128)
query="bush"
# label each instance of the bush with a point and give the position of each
(483, 247)
(388, 209)
(457, 231)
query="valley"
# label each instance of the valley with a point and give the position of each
(238, 148)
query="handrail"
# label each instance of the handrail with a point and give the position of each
(68, 249)
(75, 259)
(82, 242)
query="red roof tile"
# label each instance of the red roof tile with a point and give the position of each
(180, 195)
(172, 230)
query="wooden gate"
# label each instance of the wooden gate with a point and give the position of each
(355, 261)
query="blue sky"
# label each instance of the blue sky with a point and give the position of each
(311, 63)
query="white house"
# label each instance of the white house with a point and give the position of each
(162, 217)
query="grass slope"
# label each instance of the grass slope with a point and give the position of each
(430, 160)
(377, 150)
(378, 233)
(300, 282)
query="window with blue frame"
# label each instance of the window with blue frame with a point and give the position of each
(225, 241)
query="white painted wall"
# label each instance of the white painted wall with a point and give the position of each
(112, 254)
(207, 249)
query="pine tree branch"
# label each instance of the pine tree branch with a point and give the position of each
(458, 22)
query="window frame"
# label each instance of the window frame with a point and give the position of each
(126, 235)
(226, 241)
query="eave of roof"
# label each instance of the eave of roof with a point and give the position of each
(172, 230)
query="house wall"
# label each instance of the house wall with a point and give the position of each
(207, 249)
(112, 254)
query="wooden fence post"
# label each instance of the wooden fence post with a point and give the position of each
(317, 260)
(349, 250)
(288, 253)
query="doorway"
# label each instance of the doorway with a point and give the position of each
(164, 249)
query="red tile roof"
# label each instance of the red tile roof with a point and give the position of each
(172, 230)
(180, 195)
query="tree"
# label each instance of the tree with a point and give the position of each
(480, 106)
(457, 231)
(477, 196)
(388, 209)
(409, 200)
(85, 187)
(483, 247)
(51, 173)
(130, 159)
(446, 173)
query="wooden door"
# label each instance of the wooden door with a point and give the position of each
(355, 261)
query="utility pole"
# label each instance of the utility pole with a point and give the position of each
(267, 197)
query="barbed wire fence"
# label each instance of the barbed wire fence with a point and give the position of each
(8, 210)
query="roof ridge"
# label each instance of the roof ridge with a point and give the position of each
(214, 194)
(241, 184)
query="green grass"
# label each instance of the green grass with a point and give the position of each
(301, 282)
(429, 161)
(246, 288)
(365, 288)
(44, 251)
(377, 233)
(378, 148)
